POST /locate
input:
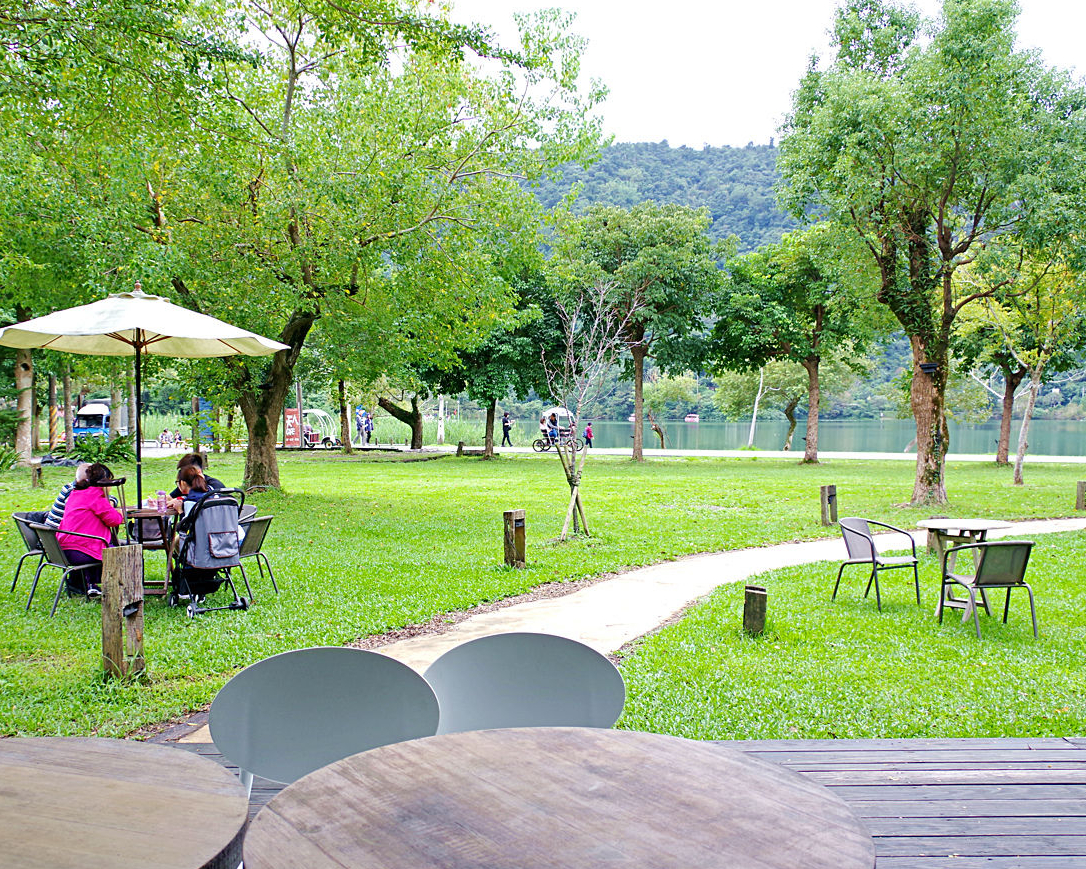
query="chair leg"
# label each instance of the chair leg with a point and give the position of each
(60, 588)
(34, 585)
(248, 590)
(916, 582)
(976, 615)
(246, 781)
(19, 567)
(833, 596)
(271, 575)
(1032, 608)
(1007, 605)
(878, 597)
(870, 579)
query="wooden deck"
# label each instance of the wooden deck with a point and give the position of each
(934, 803)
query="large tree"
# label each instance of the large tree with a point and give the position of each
(351, 169)
(801, 301)
(929, 150)
(663, 269)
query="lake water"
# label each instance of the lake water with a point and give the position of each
(1046, 438)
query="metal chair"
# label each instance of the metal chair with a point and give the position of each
(1001, 564)
(525, 680)
(860, 544)
(256, 529)
(247, 512)
(30, 538)
(54, 557)
(292, 713)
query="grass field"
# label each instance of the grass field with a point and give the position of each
(362, 546)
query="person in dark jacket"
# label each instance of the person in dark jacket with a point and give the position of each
(196, 460)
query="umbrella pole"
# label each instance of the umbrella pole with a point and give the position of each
(139, 435)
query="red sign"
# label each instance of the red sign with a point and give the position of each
(292, 436)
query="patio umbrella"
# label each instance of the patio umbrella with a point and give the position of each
(134, 324)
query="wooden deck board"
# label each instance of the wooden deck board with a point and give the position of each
(932, 803)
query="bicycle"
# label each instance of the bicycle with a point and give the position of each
(541, 445)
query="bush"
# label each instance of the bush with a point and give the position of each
(9, 458)
(95, 448)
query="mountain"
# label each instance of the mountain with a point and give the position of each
(735, 184)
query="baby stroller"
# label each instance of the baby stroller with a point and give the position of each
(208, 549)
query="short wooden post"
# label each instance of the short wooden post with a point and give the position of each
(35, 473)
(1080, 496)
(122, 610)
(829, 505)
(754, 601)
(514, 538)
(203, 458)
(460, 448)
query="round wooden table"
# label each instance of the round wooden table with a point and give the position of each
(116, 804)
(538, 798)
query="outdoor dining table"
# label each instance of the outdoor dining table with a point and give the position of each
(116, 804)
(162, 543)
(556, 797)
(946, 533)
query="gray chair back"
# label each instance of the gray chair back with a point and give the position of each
(295, 712)
(247, 512)
(525, 680)
(29, 535)
(858, 540)
(1003, 563)
(255, 532)
(50, 545)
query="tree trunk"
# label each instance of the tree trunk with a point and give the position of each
(24, 387)
(441, 419)
(228, 444)
(1011, 380)
(35, 427)
(69, 427)
(757, 401)
(814, 399)
(639, 351)
(411, 418)
(488, 434)
(928, 400)
(1027, 417)
(115, 411)
(52, 412)
(195, 407)
(790, 415)
(216, 430)
(344, 418)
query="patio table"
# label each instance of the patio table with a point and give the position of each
(945, 533)
(116, 804)
(556, 797)
(163, 543)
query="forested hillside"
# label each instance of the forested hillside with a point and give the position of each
(735, 184)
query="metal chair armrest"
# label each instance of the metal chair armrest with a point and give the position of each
(38, 527)
(912, 542)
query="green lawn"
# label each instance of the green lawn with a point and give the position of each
(363, 546)
(843, 670)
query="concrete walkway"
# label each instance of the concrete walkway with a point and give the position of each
(613, 612)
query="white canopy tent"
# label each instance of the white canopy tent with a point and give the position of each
(134, 324)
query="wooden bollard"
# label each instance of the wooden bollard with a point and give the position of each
(460, 448)
(35, 474)
(829, 504)
(122, 610)
(1080, 496)
(754, 601)
(514, 538)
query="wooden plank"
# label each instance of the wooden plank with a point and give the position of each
(996, 744)
(908, 768)
(979, 808)
(950, 776)
(982, 846)
(967, 826)
(959, 862)
(1008, 757)
(942, 793)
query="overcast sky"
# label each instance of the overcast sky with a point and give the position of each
(699, 72)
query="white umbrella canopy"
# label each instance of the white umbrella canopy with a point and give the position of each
(134, 324)
(117, 324)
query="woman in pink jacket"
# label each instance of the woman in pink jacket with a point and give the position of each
(88, 511)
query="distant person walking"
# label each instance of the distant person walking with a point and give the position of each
(507, 425)
(369, 428)
(360, 423)
(588, 434)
